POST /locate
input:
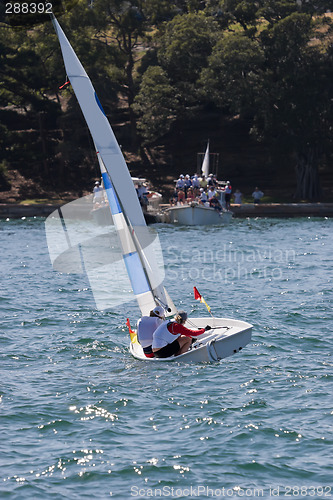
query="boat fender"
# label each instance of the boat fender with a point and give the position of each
(211, 351)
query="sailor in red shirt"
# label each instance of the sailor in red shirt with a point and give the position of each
(173, 338)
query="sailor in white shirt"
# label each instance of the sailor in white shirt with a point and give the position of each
(146, 327)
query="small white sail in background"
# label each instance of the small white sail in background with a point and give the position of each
(205, 163)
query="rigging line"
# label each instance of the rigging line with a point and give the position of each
(192, 324)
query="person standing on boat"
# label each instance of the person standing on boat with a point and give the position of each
(188, 184)
(203, 181)
(228, 190)
(195, 182)
(142, 195)
(211, 180)
(180, 183)
(146, 327)
(98, 194)
(173, 338)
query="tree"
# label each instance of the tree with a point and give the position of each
(156, 104)
(294, 105)
(23, 102)
(183, 49)
(37, 119)
(123, 22)
(276, 10)
(234, 70)
(242, 11)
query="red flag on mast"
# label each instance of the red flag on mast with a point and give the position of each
(133, 335)
(198, 296)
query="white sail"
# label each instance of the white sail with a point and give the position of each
(205, 163)
(101, 131)
(138, 247)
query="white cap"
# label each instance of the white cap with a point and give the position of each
(159, 311)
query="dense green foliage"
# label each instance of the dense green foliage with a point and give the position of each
(158, 63)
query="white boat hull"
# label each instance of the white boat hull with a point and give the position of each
(227, 337)
(197, 215)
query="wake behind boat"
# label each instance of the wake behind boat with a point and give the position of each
(139, 252)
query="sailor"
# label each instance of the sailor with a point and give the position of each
(146, 327)
(173, 338)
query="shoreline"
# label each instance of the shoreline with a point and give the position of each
(17, 211)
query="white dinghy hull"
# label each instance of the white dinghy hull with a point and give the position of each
(227, 337)
(197, 215)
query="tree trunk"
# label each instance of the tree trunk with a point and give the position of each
(130, 98)
(307, 177)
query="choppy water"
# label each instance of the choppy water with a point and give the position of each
(80, 418)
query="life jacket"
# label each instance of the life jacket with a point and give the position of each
(146, 327)
(162, 336)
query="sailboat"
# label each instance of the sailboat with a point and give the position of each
(195, 213)
(227, 336)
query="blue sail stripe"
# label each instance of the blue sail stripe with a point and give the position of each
(136, 273)
(113, 200)
(99, 104)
